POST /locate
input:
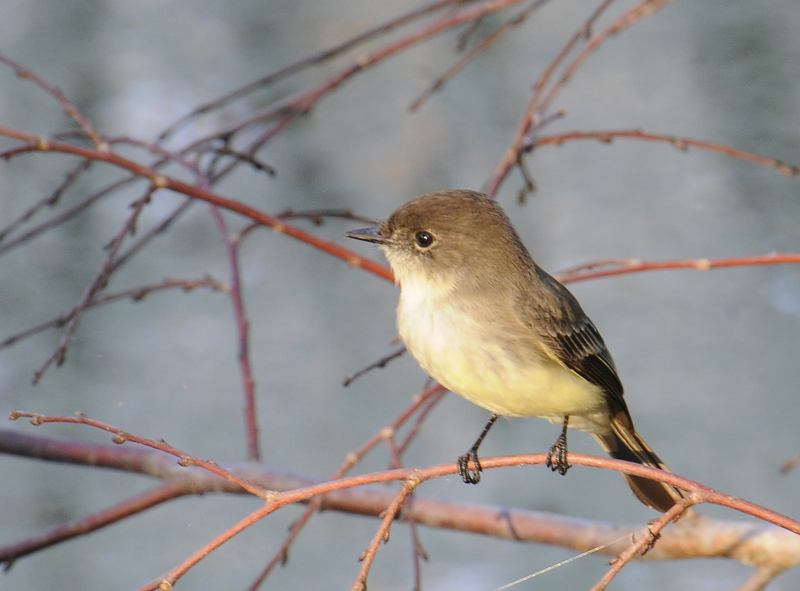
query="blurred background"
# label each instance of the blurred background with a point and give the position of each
(708, 359)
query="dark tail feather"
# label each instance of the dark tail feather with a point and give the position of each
(624, 443)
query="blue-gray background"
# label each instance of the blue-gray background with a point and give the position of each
(709, 360)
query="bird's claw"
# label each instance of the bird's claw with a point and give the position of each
(557, 458)
(468, 475)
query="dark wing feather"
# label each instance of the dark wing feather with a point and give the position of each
(554, 313)
(583, 351)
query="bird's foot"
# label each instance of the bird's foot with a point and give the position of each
(557, 458)
(468, 475)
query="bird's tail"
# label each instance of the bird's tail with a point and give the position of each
(624, 443)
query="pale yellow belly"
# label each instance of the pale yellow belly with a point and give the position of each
(464, 357)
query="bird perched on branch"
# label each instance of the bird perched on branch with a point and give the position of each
(484, 320)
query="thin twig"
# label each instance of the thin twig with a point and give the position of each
(534, 111)
(291, 108)
(351, 459)
(136, 294)
(242, 328)
(145, 238)
(760, 579)
(67, 214)
(634, 266)
(379, 364)
(645, 541)
(382, 535)
(585, 32)
(302, 64)
(49, 201)
(636, 13)
(98, 283)
(490, 40)
(121, 436)
(415, 427)
(316, 216)
(679, 143)
(97, 520)
(790, 465)
(69, 109)
(417, 551)
(164, 182)
(246, 158)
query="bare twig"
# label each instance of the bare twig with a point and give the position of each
(69, 108)
(645, 541)
(136, 294)
(351, 459)
(66, 214)
(242, 328)
(382, 535)
(618, 267)
(490, 40)
(97, 284)
(164, 182)
(86, 525)
(636, 13)
(246, 158)
(682, 144)
(316, 216)
(121, 436)
(380, 364)
(321, 57)
(48, 201)
(534, 110)
(760, 579)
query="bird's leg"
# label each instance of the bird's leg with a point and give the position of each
(474, 476)
(557, 458)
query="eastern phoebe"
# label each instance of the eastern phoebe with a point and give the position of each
(486, 322)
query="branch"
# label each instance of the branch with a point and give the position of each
(382, 535)
(748, 542)
(98, 283)
(537, 108)
(305, 63)
(121, 437)
(69, 108)
(529, 117)
(490, 40)
(623, 267)
(136, 294)
(682, 144)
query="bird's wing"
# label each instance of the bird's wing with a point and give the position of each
(556, 316)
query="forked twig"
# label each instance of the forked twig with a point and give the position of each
(646, 541)
(382, 535)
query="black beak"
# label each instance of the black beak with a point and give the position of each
(372, 234)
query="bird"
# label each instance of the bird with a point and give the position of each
(486, 322)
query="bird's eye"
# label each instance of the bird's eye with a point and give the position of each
(424, 239)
